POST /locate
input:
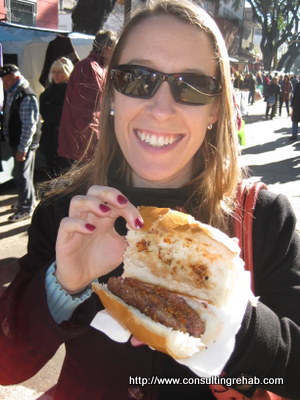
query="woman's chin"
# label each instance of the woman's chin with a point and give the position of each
(160, 177)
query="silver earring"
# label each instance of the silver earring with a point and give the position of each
(112, 112)
(209, 127)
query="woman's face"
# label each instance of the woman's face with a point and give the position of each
(158, 136)
(58, 75)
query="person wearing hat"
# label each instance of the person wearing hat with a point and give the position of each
(80, 116)
(21, 129)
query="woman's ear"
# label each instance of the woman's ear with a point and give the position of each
(215, 112)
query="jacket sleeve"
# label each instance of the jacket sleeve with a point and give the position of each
(29, 336)
(268, 343)
(85, 98)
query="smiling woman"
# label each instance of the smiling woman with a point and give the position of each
(161, 114)
(168, 140)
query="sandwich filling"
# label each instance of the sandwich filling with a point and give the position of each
(160, 304)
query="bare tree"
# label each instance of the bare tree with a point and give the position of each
(278, 19)
(288, 59)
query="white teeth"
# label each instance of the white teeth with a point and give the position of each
(160, 141)
(157, 141)
(153, 141)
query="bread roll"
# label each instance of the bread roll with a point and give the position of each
(175, 251)
(194, 260)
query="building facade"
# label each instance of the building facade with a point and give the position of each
(39, 13)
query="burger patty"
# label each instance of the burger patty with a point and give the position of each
(158, 303)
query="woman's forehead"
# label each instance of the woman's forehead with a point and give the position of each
(168, 40)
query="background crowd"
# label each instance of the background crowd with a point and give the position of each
(65, 118)
(279, 91)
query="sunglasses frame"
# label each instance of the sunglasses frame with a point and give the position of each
(171, 78)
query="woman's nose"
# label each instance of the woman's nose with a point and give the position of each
(162, 105)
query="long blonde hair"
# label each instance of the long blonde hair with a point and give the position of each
(217, 172)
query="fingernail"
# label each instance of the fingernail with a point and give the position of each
(90, 227)
(139, 223)
(104, 208)
(122, 199)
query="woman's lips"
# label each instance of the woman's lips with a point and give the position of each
(157, 140)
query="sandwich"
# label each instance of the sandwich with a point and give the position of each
(178, 272)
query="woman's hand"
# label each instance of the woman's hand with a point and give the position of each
(87, 244)
(136, 342)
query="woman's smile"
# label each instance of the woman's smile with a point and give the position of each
(157, 140)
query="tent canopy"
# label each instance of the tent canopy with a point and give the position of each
(29, 44)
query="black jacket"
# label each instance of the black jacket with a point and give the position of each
(267, 345)
(296, 103)
(273, 90)
(51, 103)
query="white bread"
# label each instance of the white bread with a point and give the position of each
(176, 252)
(175, 343)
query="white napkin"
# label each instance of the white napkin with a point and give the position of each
(211, 361)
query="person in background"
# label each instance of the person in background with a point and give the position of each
(168, 139)
(272, 94)
(21, 129)
(51, 103)
(238, 80)
(295, 115)
(80, 116)
(249, 84)
(259, 79)
(294, 81)
(285, 94)
(266, 82)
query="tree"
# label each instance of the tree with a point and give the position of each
(88, 16)
(279, 22)
(278, 19)
(288, 59)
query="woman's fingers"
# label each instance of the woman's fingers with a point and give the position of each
(102, 201)
(136, 342)
(109, 195)
(81, 205)
(70, 226)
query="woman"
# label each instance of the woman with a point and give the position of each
(168, 139)
(295, 105)
(51, 103)
(285, 94)
(272, 93)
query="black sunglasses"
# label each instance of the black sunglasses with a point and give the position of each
(143, 83)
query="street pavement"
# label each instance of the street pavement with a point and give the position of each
(268, 153)
(271, 156)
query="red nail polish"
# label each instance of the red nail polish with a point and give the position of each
(139, 223)
(104, 208)
(122, 199)
(90, 227)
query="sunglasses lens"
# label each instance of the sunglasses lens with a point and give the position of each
(142, 82)
(194, 89)
(135, 82)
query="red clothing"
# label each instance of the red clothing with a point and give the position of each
(286, 90)
(80, 115)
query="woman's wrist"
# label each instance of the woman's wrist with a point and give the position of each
(72, 292)
(61, 303)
